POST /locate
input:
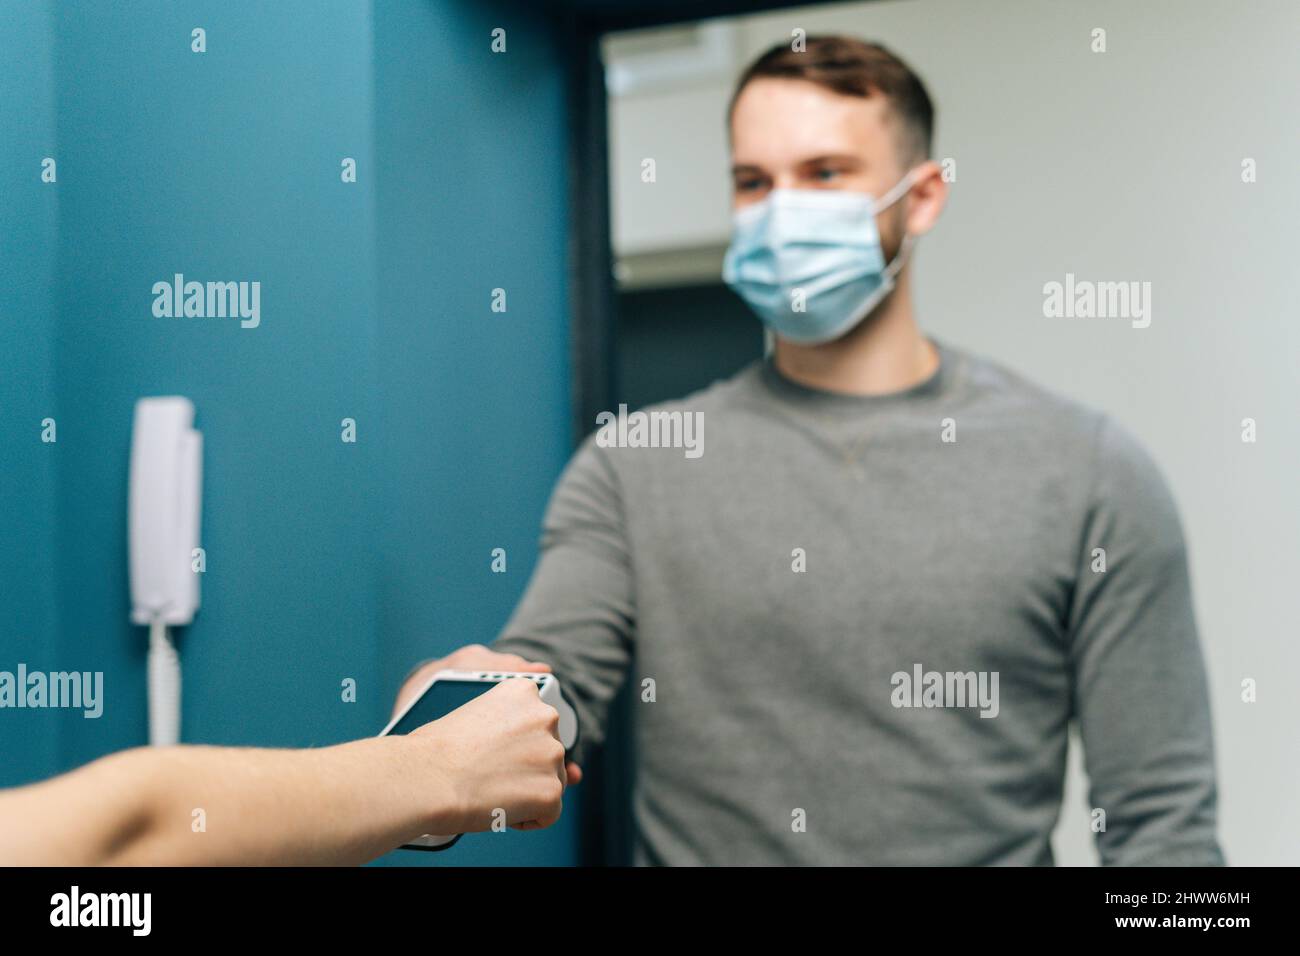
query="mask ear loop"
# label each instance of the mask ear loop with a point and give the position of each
(897, 192)
(900, 259)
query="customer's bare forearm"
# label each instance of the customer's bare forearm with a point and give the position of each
(207, 805)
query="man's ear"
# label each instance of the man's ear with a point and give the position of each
(926, 199)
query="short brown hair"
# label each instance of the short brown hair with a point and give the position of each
(853, 68)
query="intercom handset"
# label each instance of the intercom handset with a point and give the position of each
(163, 505)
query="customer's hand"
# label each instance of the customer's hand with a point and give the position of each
(476, 657)
(501, 758)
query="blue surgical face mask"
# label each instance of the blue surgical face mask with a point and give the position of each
(809, 261)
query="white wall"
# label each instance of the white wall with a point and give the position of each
(1123, 165)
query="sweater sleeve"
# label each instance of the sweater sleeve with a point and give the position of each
(578, 613)
(1139, 685)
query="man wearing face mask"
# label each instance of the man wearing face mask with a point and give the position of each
(859, 625)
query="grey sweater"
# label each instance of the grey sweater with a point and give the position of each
(859, 627)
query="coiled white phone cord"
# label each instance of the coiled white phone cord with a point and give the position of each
(164, 669)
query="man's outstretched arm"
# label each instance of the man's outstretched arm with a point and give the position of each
(579, 614)
(577, 617)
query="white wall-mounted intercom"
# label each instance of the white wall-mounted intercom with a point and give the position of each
(163, 504)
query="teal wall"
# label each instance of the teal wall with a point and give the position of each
(28, 225)
(473, 424)
(325, 560)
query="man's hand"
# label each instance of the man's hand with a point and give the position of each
(471, 657)
(476, 657)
